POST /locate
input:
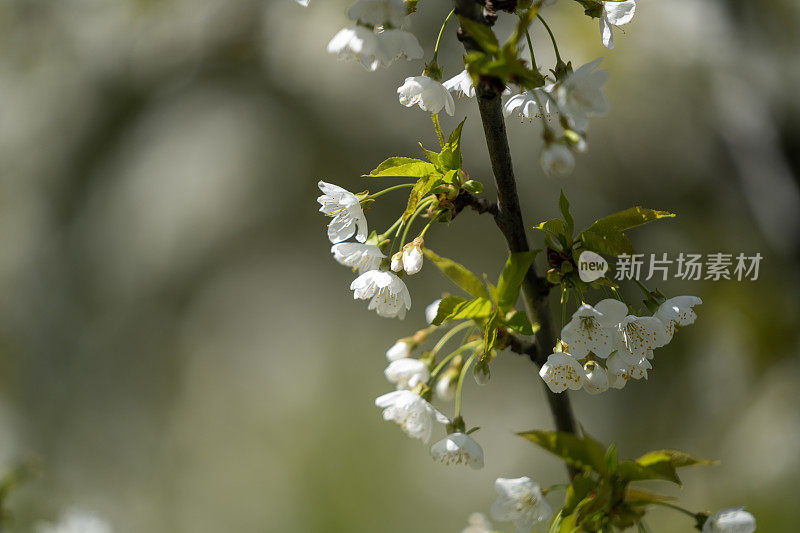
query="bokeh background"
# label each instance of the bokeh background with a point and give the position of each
(181, 353)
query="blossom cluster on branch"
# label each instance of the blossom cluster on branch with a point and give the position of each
(601, 347)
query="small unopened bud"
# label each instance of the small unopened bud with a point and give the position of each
(472, 186)
(481, 373)
(412, 257)
(397, 262)
(400, 350)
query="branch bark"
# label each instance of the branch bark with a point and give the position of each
(535, 289)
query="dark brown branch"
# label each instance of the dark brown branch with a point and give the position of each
(478, 203)
(509, 216)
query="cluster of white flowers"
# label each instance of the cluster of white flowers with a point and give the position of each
(377, 37)
(387, 293)
(615, 346)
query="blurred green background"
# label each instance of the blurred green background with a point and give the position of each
(180, 350)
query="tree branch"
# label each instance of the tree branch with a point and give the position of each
(509, 216)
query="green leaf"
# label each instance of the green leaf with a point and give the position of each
(490, 332)
(459, 275)
(402, 167)
(433, 157)
(482, 34)
(477, 309)
(518, 321)
(612, 243)
(580, 488)
(446, 307)
(585, 453)
(420, 190)
(637, 496)
(511, 279)
(554, 227)
(563, 205)
(660, 464)
(627, 219)
(450, 158)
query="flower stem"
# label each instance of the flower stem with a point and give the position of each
(389, 231)
(390, 189)
(460, 384)
(461, 349)
(441, 32)
(449, 335)
(424, 203)
(677, 508)
(530, 48)
(552, 38)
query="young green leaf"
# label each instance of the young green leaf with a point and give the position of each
(490, 332)
(518, 321)
(402, 167)
(611, 243)
(459, 275)
(563, 205)
(511, 279)
(477, 309)
(582, 452)
(450, 158)
(627, 219)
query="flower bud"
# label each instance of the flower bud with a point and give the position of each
(481, 373)
(397, 262)
(412, 257)
(400, 350)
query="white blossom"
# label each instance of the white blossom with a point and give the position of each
(596, 378)
(303, 3)
(621, 370)
(427, 93)
(407, 373)
(412, 258)
(415, 416)
(529, 104)
(458, 449)
(520, 501)
(77, 521)
(461, 84)
(397, 262)
(677, 311)
(387, 293)
(399, 350)
(445, 387)
(394, 44)
(640, 335)
(615, 14)
(357, 43)
(735, 520)
(581, 94)
(431, 310)
(477, 523)
(345, 208)
(556, 159)
(378, 12)
(594, 329)
(360, 257)
(562, 372)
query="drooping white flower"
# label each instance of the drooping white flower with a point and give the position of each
(427, 93)
(677, 311)
(621, 370)
(477, 523)
(615, 14)
(431, 310)
(594, 329)
(407, 373)
(562, 372)
(412, 258)
(399, 350)
(387, 293)
(581, 95)
(357, 43)
(458, 449)
(529, 104)
(735, 520)
(445, 387)
(415, 416)
(303, 3)
(461, 84)
(596, 378)
(77, 521)
(639, 336)
(360, 257)
(556, 159)
(520, 501)
(394, 44)
(397, 262)
(344, 207)
(378, 12)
